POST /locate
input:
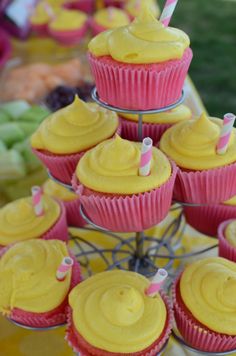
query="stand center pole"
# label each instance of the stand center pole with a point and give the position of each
(139, 245)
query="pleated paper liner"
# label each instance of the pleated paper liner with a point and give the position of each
(140, 86)
(69, 37)
(226, 250)
(73, 215)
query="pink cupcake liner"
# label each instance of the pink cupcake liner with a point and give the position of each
(79, 344)
(62, 167)
(154, 131)
(41, 30)
(195, 334)
(70, 37)
(139, 87)
(54, 317)
(206, 187)
(225, 249)
(73, 215)
(59, 230)
(82, 5)
(206, 219)
(128, 213)
(95, 27)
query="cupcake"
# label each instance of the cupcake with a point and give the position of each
(69, 199)
(19, 222)
(82, 5)
(65, 135)
(204, 177)
(42, 15)
(108, 18)
(31, 293)
(110, 314)
(204, 305)
(147, 62)
(112, 192)
(207, 219)
(227, 239)
(154, 125)
(134, 7)
(68, 27)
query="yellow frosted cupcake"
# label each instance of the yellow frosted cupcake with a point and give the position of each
(108, 18)
(154, 125)
(41, 18)
(62, 139)
(113, 193)
(18, 221)
(69, 199)
(110, 314)
(30, 292)
(69, 26)
(227, 239)
(204, 305)
(147, 62)
(205, 176)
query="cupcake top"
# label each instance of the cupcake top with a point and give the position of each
(145, 40)
(18, 220)
(134, 7)
(230, 233)
(192, 144)
(113, 167)
(68, 20)
(40, 15)
(231, 201)
(111, 17)
(112, 312)
(55, 190)
(75, 128)
(28, 276)
(180, 113)
(208, 289)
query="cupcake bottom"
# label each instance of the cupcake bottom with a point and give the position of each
(80, 345)
(82, 5)
(206, 219)
(128, 213)
(194, 333)
(211, 186)
(139, 86)
(56, 316)
(73, 215)
(70, 37)
(41, 30)
(154, 131)
(226, 250)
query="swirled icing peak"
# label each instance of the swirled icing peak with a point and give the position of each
(192, 144)
(112, 312)
(145, 40)
(68, 20)
(230, 233)
(28, 276)
(19, 222)
(208, 289)
(135, 7)
(177, 114)
(113, 165)
(75, 128)
(55, 190)
(111, 17)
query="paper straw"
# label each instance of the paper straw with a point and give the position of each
(64, 268)
(137, 5)
(167, 12)
(146, 157)
(157, 282)
(110, 13)
(226, 130)
(37, 200)
(48, 9)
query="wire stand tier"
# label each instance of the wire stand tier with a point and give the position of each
(140, 252)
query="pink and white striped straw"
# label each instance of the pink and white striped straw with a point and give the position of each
(146, 157)
(137, 5)
(48, 9)
(64, 268)
(157, 282)
(167, 12)
(37, 200)
(226, 130)
(110, 13)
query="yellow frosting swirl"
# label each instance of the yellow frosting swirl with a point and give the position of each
(40, 15)
(180, 113)
(208, 289)
(68, 20)
(112, 312)
(135, 7)
(111, 18)
(18, 221)
(145, 40)
(75, 128)
(58, 191)
(231, 201)
(192, 144)
(28, 276)
(230, 233)
(113, 165)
